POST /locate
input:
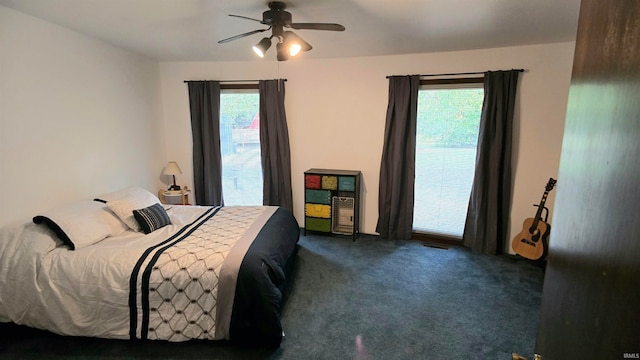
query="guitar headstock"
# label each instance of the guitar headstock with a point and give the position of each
(550, 184)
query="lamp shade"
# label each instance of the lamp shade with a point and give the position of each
(294, 44)
(262, 47)
(283, 54)
(172, 168)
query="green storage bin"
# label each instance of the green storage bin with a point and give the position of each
(346, 183)
(315, 224)
(317, 196)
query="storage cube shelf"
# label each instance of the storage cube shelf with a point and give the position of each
(332, 201)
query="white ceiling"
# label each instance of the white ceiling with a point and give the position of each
(188, 30)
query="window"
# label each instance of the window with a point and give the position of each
(240, 145)
(447, 135)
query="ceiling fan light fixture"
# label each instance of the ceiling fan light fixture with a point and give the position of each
(261, 48)
(295, 44)
(283, 54)
(277, 19)
(294, 49)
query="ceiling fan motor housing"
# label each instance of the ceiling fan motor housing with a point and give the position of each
(276, 15)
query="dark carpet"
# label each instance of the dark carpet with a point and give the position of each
(369, 299)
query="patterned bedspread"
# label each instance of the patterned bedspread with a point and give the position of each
(184, 287)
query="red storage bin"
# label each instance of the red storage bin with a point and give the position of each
(312, 181)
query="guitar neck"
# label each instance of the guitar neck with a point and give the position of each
(539, 212)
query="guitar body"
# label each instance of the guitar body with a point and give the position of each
(531, 243)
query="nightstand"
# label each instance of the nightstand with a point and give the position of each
(174, 197)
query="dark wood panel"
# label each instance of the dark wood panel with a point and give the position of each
(592, 282)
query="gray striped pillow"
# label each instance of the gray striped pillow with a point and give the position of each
(152, 218)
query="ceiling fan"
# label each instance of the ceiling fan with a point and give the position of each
(277, 19)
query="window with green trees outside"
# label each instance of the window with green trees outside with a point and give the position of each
(447, 137)
(240, 147)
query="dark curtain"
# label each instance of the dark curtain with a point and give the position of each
(274, 145)
(397, 168)
(487, 220)
(204, 103)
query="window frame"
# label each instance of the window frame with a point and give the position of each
(239, 88)
(445, 83)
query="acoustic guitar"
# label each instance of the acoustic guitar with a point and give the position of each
(532, 241)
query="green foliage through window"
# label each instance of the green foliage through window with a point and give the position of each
(240, 148)
(238, 109)
(452, 116)
(447, 135)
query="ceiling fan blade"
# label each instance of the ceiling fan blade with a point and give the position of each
(245, 17)
(241, 36)
(317, 26)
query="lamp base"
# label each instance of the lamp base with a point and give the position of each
(174, 187)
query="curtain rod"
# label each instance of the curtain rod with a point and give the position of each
(462, 73)
(231, 81)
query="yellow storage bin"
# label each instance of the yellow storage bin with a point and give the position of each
(316, 210)
(330, 182)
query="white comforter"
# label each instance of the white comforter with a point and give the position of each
(83, 292)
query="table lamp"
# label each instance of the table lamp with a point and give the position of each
(173, 169)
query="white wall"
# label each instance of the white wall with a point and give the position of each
(336, 112)
(78, 117)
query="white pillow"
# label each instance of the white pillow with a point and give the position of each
(119, 194)
(81, 224)
(133, 199)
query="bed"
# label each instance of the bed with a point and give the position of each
(126, 267)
